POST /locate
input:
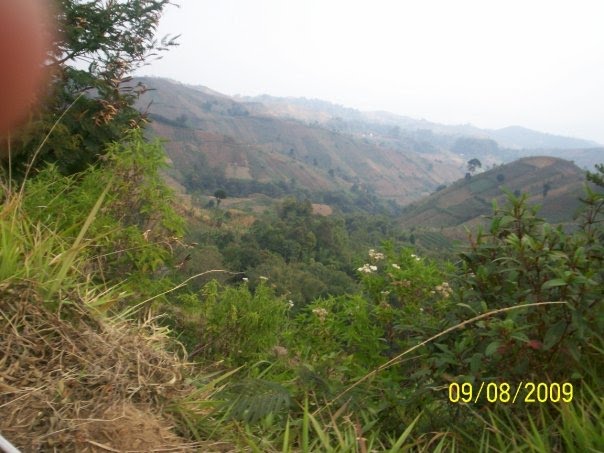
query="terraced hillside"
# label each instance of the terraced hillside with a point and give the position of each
(490, 145)
(553, 183)
(239, 141)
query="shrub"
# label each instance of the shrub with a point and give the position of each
(136, 225)
(520, 260)
(235, 324)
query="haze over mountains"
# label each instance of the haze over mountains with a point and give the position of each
(247, 142)
(317, 110)
(511, 142)
(279, 146)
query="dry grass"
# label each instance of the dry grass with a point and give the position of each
(72, 382)
(322, 209)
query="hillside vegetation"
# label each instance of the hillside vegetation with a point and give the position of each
(134, 318)
(370, 368)
(553, 184)
(243, 142)
(341, 157)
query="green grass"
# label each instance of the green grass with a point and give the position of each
(575, 427)
(479, 185)
(433, 240)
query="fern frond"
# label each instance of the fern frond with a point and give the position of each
(253, 399)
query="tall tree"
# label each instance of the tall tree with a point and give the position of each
(597, 177)
(220, 195)
(98, 46)
(473, 164)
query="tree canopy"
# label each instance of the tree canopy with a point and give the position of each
(98, 46)
(473, 164)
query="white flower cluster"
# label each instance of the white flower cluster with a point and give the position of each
(367, 268)
(417, 258)
(290, 304)
(396, 266)
(375, 255)
(320, 313)
(444, 290)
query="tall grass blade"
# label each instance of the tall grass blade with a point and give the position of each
(286, 448)
(70, 255)
(322, 435)
(398, 445)
(305, 427)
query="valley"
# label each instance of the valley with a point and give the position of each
(184, 270)
(266, 148)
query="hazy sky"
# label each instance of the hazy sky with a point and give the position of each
(492, 63)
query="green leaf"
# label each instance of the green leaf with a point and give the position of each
(397, 446)
(553, 334)
(553, 283)
(506, 220)
(252, 399)
(468, 307)
(476, 363)
(520, 336)
(443, 347)
(492, 348)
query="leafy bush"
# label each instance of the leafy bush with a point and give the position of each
(232, 323)
(337, 337)
(352, 352)
(522, 260)
(136, 226)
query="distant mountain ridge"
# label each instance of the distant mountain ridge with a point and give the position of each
(516, 137)
(276, 146)
(520, 137)
(243, 141)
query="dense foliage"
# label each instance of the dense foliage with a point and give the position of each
(136, 228)
(98, 46)
(323, 333)
(371, 357)
(533, 294)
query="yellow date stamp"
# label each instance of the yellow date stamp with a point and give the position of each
(503, 392)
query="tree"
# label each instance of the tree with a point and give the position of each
(112, 38)
(473, 164)
(220, 195)
(295, 211)
(597, 177)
